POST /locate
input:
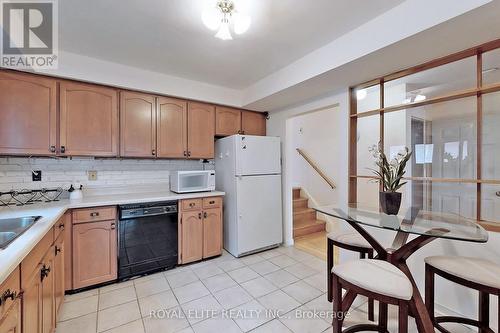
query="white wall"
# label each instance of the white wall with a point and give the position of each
(316, 134)
(280, 124)
(450, 298)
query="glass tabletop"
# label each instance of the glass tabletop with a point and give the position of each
(412, 221)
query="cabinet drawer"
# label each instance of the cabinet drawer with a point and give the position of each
(60, 226)
(11, 286)
(191, 204)
(94, 214)
(214, 202)
(34, 258)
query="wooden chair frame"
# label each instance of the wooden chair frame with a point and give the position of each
(363, 254)
(483, 322)
(339, 308)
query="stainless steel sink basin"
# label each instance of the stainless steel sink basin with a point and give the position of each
(12, 228)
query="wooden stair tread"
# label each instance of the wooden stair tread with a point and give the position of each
(303, 210)
(308, 227)
(307, 223)
(300, 199)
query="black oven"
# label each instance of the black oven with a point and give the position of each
(147, 238)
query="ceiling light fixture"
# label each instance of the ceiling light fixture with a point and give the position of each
(224, 15)
(361, 94)
(419, 98)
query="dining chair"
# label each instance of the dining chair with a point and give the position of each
(378, 280)
(478, 274)
(351, 241)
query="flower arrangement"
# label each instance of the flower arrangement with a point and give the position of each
(390, 175)
(391, 172)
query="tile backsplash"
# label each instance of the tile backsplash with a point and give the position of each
(15, 172)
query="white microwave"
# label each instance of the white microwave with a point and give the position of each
(192, 181)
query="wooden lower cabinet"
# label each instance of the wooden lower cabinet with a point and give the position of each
(59, 268)
(200, 229)
(32, 303)
(94, 253)
(191, 236)
(48, 292)
(11, 321)
(212, 232)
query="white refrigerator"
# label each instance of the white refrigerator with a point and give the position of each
(248, 169)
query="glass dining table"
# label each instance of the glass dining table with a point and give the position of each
(426, 225)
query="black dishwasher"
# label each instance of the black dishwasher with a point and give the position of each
(147, 238)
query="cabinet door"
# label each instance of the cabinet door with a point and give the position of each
(11, 322)
(32, 303)
(68, 256)
(138, 125)
(27, 114)
(48, 315)
(94, 253)
(201, 130)
(88, 120)
(191, 236)
(212, 232)
(227, 121)
(253, 123)
(59, 278)
(171, 127)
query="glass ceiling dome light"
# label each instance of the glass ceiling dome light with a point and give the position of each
(222, 17)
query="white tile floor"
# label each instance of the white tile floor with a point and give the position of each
(219, 295)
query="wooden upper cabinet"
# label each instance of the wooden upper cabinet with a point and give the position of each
(201, 130)
(253, 123)
(227, 121)
(138, 125)
(88, 120)
(171, 127)
(28, 111)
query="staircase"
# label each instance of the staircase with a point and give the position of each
(304, 218)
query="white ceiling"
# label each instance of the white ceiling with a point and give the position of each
(167, 36)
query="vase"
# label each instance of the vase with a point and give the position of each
(390, 202)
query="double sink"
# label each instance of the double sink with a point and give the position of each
(12, 228)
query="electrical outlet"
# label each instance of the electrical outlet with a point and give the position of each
(36, 175)
(92, 175)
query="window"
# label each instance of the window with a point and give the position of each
(441, 110)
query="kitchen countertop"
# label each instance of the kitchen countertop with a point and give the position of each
(12, 256)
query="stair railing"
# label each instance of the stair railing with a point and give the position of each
(316, 168)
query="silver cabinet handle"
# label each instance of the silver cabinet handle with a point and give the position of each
(94, 214)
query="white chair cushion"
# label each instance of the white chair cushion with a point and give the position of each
(377, 276)
(476, 270)
(350, 238)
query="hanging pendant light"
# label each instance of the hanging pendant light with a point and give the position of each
(224, 15)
